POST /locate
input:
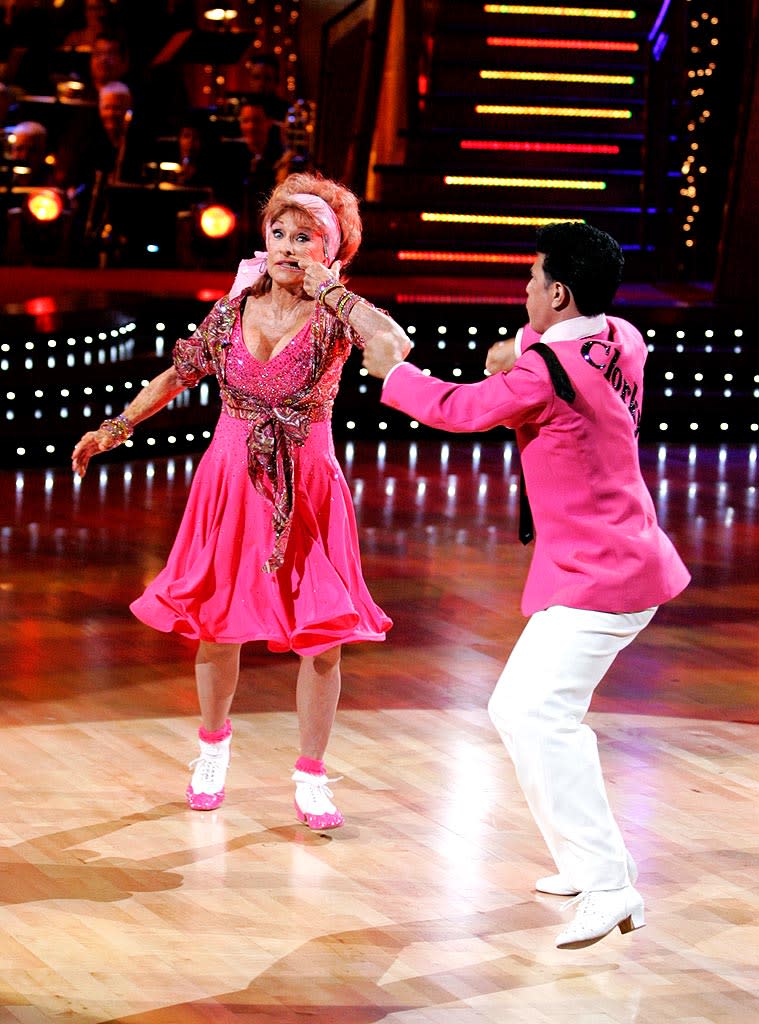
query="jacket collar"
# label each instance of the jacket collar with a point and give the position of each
(577, 327)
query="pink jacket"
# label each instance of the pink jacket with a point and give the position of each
(597, 542)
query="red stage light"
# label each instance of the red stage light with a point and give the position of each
(45, 204)
(217, 221)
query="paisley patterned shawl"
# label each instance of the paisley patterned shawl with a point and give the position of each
(275, 429)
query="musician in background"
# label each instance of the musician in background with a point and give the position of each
(106, 151)
(254, 164)
(262, 79)
(115, 112)
(197, 149)
(97, 14)
(104, 143)
(28, 154)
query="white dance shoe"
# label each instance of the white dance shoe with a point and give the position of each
(555, 885)
(206, 789)
(313, 801)
(600, 912)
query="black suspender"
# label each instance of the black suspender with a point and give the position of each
(562, 385)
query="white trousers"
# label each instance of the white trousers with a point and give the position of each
(538, 707)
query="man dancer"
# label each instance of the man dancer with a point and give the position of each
(601, 564)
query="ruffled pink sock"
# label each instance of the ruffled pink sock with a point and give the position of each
(310, 765)
(218, 736)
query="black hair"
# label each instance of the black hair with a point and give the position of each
(585, 260)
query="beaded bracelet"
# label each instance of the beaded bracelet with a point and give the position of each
(324, 288)
(345, 305)
(119, 428)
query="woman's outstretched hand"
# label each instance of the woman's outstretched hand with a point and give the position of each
(92, 443)
(315, 273)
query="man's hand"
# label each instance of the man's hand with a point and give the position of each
(501, 356)
(387, 347)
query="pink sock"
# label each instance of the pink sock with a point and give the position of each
(218, 736)
(310, 765)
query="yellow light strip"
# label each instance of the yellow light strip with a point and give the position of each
(556, 76)
(498, 108)
(493, 218)
(464, 257)
(560, 12)
(466, 179)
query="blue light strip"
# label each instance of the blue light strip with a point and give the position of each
(659, 19)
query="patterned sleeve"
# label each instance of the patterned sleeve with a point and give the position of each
(192, 356)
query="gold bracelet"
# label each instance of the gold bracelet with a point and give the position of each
(119, 428)
(345, 305)
(324, 289)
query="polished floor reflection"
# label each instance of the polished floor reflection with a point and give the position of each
(119, 904)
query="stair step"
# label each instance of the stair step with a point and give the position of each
(509, 114)
(524, 188)
(480, 83)
(385, 262)
(406, 227)
(459, 14)
(573, 50)
(526, 151)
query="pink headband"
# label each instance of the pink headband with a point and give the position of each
(322, 212)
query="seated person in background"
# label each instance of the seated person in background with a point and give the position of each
(260, 133)
(255, 165)
(109, 60)
(27, 154)
(195, 152)
(262, 79)
(79, 76)
(97, 14)
(190, 157)
(102, 142)
(115, 112)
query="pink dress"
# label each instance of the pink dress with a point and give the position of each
(214, 586)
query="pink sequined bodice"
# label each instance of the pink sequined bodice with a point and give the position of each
(273, 381)
(285, 375)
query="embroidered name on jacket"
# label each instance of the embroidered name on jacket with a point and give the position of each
(626, 389)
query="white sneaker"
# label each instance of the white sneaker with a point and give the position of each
(206, 789)
(600, 912)
(555, 885)
(313, 803)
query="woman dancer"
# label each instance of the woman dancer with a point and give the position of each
(267, 548)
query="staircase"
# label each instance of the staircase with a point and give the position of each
(526, 114)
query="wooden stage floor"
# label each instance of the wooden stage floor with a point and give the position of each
(121, 905)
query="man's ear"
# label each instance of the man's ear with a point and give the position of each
(561, 296)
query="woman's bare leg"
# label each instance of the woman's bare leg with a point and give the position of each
(316, 697)
(217, 672)
(317, 694)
